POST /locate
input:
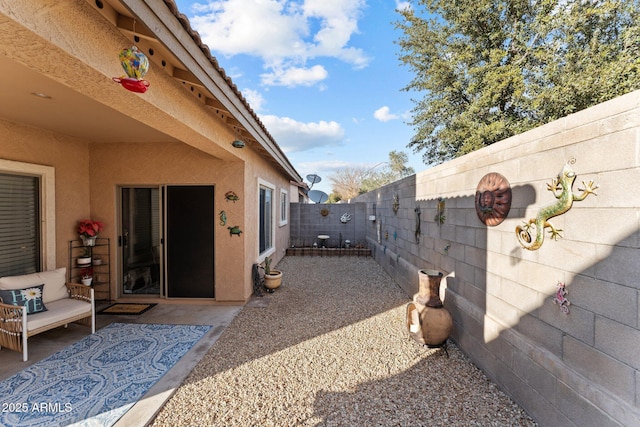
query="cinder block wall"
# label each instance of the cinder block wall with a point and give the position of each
(308, 221)
(575, 369)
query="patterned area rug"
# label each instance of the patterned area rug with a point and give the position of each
(96, 380)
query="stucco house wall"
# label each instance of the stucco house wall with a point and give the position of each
(177, 132)
(575, 369)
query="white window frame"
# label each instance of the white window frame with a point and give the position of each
(47, 177)
(267, 185)
(284, 208)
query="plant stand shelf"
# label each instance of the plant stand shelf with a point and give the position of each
(101, 282)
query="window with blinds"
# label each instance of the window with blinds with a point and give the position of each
(19, 225)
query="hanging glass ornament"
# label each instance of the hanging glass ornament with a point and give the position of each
(135, 65)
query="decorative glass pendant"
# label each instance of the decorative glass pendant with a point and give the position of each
(135, 64)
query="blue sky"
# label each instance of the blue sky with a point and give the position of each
(322, 75)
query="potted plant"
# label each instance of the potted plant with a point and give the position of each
(86, 276)
(89, 230)
(272, 278)
(85, 258)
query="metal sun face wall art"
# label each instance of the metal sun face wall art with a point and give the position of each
(493, 199)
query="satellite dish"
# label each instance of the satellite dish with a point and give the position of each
(318, 196)
(313, 178)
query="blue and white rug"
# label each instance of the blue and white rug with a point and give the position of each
(96, 380)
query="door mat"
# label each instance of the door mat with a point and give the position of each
(133, 309)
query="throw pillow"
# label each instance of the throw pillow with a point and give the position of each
(29, 297)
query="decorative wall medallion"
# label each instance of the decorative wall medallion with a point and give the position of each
(345, 218)
(324, 211)
(493, 199)
(396, 203)
(561, 187)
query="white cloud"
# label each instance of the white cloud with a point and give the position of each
(384, 115)
(285, 34)
(295, 76)
(254, 98)
(402, 5)
(293, 136)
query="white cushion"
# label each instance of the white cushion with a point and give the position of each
(57, 311)
(53, 280)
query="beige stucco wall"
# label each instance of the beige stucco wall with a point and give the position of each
(131, 164)
(69, 157)
(74, 45)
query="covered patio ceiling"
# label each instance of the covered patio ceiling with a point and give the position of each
(34, 99)
(89, 106)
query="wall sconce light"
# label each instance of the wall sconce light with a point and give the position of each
(238, 143)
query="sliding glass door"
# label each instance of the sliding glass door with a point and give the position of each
(140, 241)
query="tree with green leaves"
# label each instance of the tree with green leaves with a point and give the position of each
(490, 69)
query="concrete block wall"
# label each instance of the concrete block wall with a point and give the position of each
(307, 222)
(576, 369)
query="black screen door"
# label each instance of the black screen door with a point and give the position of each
(189, 241)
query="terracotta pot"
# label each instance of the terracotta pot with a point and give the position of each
(435, 322)
(437, 325)
(273, 279)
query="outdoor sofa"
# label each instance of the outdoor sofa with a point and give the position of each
(37, 302)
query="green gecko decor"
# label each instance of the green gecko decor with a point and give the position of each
(439, 218)
(561, 187)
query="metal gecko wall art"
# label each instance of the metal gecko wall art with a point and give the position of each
(561, 298)
(561, 187)
(417, 230)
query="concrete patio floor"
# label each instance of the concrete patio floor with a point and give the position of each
(47, 343)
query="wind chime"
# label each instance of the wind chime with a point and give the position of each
(135, 65)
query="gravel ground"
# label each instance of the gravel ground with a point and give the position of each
(330, 348)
